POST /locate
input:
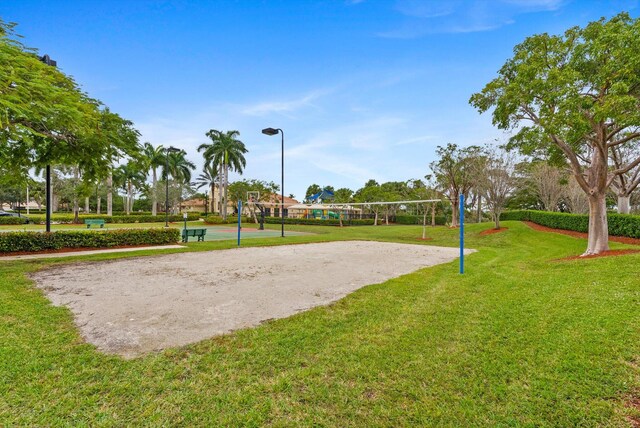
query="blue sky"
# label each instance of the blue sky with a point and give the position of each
(362, 88)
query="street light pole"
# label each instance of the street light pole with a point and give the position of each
(274, 131)
(166, 171)
(52, 63)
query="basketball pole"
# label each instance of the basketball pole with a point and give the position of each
(461, 234)
(239, 217)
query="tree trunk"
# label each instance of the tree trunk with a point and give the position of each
(98, 199)
(375, 220)
(76, 202)
(454, 214)
(86, 205)
(213, 198)
(479, 212)
(226, 185)
(598, 225)
(623, 204)
(220, 186)
(129, 197)
(424, 224)
(110, 193)
(154, 197)
(496, 219)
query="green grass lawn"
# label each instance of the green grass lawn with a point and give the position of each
(520, 339)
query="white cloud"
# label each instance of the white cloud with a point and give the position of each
(287, 107)
(459, 16)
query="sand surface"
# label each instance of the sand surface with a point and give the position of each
(137, 305)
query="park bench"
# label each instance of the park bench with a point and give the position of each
(199, 233)
(90, 221)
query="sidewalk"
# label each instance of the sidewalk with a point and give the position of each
(83, 253)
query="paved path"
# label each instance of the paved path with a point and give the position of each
(83, 253)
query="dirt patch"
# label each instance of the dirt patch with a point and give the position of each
(137, 305)
(582, 235)
(609, 253)
(492, 231)
(634, 420)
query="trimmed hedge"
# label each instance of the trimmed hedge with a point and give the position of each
(133, 218)
(418, 219)
(13, 220)
(320, 222)
(619, 224)
(216, 219)
(41, 241)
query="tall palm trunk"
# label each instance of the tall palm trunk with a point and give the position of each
(213, 197)
(86, 205)
(226, 185)
(110, 193)
(220, 186)
(154, 197)
(98, 199)
(129, 197)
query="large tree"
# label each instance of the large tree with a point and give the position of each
(208, 178)
(153, 158)
(495, 180)
(626, 183)
(454, 173)
(577, 94)
(227, 152)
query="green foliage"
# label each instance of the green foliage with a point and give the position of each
(131, 218)
(418, 219)
(13, 220)
(320, 222)
(232, 219)
(619, 224)
(38, 241)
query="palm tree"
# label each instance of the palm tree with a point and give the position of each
(130, 175)
(179, 167)
(208, 177)
(225, 152)
(154, 157)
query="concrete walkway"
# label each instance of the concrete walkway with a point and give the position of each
(84, 253)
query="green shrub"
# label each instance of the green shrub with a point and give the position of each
(13, 220)
(132, 218)
(319, 222)
(215, 219)
(418, 219)
(619, 224)
(40, 241)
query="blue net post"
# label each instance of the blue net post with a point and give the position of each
(461, 234)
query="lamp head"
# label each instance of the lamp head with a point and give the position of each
(269, 131)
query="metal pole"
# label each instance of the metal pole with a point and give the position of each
(166, 195)
(239, 220)
(461, 234)
(48, 192)
(282, 163)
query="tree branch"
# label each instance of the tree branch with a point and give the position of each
(624, 140)
(573, 159)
